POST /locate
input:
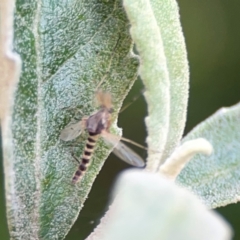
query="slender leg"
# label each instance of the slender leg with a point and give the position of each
(75, 158)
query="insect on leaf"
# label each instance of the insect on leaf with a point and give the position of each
(67, 48)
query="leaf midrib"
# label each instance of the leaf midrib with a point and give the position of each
(35, 214)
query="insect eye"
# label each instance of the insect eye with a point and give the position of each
(111, 110)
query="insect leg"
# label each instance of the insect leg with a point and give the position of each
(75, 158)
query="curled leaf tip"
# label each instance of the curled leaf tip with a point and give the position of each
(183, 154)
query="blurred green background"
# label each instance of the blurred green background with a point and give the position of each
(212, 34)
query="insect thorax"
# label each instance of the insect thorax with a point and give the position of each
(98, 122)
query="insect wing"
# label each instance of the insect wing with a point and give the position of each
(122, 151)
(71, 131)
(128, 155)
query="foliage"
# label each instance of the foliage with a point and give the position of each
(68, 49)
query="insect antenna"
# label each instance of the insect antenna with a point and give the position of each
(135, 98)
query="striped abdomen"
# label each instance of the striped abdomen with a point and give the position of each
(88, 150)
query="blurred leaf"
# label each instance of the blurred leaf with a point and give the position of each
(157, 33)
(215, 178)
(149, 206)
(9, 71)
(9, 63)
(67, 49)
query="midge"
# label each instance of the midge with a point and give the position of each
(98, 124)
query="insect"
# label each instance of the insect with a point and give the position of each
(98, 124)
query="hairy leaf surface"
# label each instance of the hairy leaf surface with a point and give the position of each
(67, 49)
(215, 178)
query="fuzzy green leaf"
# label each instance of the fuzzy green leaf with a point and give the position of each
(156, 31)
(167, 17)
(215, 178)
(67, 49)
